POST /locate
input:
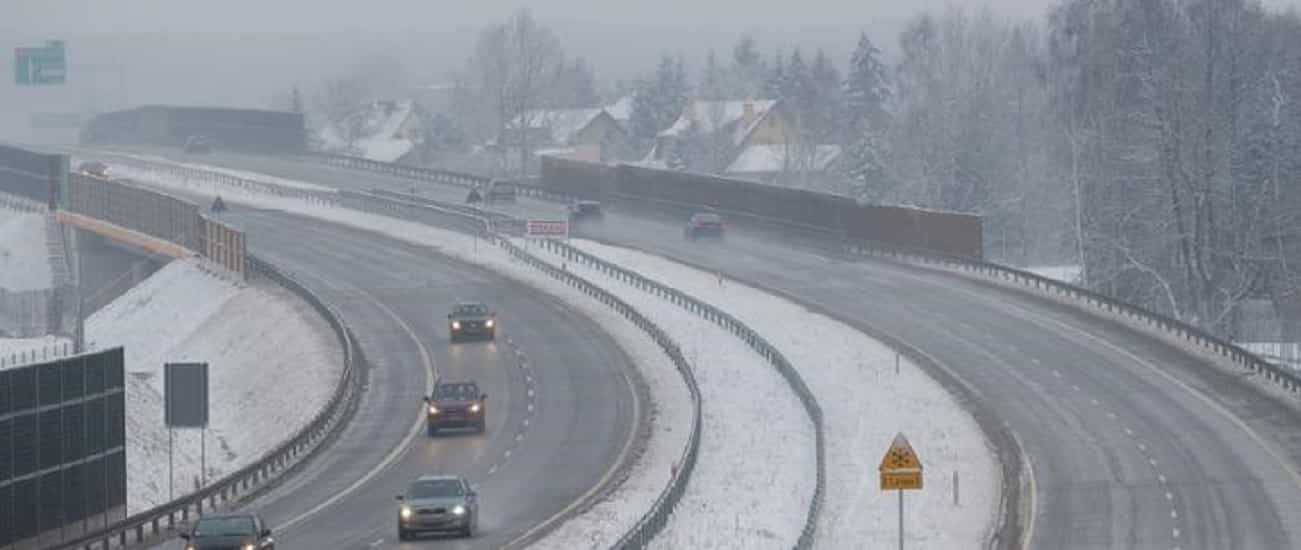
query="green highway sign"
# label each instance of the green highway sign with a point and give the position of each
(40, 66)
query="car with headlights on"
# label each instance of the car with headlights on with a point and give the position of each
(456, 405)
(438, 504)
(234, 531)
(471, 320)
(704, 224)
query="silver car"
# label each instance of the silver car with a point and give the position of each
(438, 504)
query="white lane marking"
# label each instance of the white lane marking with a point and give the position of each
(1152, 461)
(1129, 432)
(406, 441)
(530, 407)
(1068, 330)
(519, 436)
(1057, 373)
(530, 392)
(492, 470)
(508, 453)
(526, 422)
(1111, 415)
(1142, 447)
(1161, 478)
(376, 543)
(1074, 387)
(1169, 495)
(1175, 532)
(1034, 495)
(1096, 403)
(1174, 514)
(1036, 361)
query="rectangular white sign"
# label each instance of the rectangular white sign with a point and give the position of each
(547, 229)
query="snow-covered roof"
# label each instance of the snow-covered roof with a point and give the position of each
(773, 158)
(562, 124)
(710, 116)
(385, 150)
(621, 110)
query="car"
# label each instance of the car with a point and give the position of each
(438, 504)
(197, 144)
(244, 530)
(500, 191)
(456, 405)
(94, 168)
(585, 210)
(469, 320)
(704, 224)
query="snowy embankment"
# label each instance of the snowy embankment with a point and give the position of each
(755, 474)
(24, 258)
(273, 362)
(865, 404)
(119, 171)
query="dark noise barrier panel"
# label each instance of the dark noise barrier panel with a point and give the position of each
(62, 448)
(248, 130)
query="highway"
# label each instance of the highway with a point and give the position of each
(1133, 444)
(561, 409)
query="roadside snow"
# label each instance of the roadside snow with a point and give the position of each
(865, 404)
(119, 170)
(273, 363)
(1069, 274)
(14, 350)
(754, 478)
(24, 259)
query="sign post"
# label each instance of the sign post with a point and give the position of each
(901, 471)
(185, 401)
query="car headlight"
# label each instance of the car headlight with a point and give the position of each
(459, 510)
(488, 323)
(250, 546)
(405, 512)
(456, 325)
(476, 408)
(191, 547)
(433, 409)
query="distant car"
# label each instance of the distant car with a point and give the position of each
(197, 144)
(585, 211)
(94, 168)
(704, 224)
(470, 320)
(500, 191)
(438, 504)
(244, 531)
(456, 405)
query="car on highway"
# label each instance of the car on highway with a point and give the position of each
(470, 320)
(242, 531)
(581, 211)
(456, 405)
(197, 144)
(704, 224)
(438, 504)
(94, 168)
(500, 191)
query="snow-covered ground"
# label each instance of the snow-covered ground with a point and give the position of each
(24, 258)
(755, 476)
(272, 364)
(1069, 274)
(14, 350)
(865, 404)
(118, 170)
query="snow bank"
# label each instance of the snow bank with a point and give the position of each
(865, 404)
(1069, 274)
(13, 349)
(754, 480)
(24, 258)
(273, 363)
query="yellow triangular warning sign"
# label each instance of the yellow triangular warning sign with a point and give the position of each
(900, 457)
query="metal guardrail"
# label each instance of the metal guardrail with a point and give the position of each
(215, 178)
(272, 466)
(748, 335)
(456, 217)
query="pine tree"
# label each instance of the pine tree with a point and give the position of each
(711, 79)
(659, 100)
(777, 85)
(866, 90)
(829, 103)
(295, 100)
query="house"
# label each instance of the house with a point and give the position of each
(726, 127)
(621, 110)
(777, 163)
(586, 134)
(386, 131)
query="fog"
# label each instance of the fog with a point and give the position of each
(246, 53)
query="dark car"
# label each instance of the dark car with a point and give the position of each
(197, 144)
(238, 531)
(438, 504)
(470, 320)
(456, 405)
(500, 191)
(704, 224)
(585, 211)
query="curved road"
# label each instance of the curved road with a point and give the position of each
(1133, 444)
(561, 408)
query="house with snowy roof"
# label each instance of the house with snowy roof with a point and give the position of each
(585, 134)
(385, 130)
(752, 139)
